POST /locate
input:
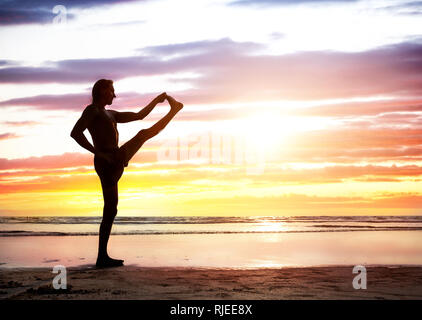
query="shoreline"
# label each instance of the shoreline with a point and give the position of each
(222, 250)
(393, 282)
(91, 266)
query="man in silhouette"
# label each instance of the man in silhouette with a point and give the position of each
(109, 158)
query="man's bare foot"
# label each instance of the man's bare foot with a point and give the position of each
(175, 105)
(108, 262)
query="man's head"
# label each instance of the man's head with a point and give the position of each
(103, 92)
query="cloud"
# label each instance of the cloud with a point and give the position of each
(271, 3)
(353, 114)
(344, 156)
(5, 175)
(69, 164)
(406, 8)
(392, 70)
(351, 145)
(47, 162)
(8, 135)
(21, 123)
(210, 55)
(363, 138)
(66, 160)
(238, 71)
(207, 47)
(51, 3)
(302, 201)
(40, 12)
(359, 109)
(277, 35)
(51, 102)
(77, 101)
(86, 70)
(26, 16)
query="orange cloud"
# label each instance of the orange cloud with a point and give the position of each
(65, 160)
(8, 135)
(294, 201)
(165, 177)
(21, 123)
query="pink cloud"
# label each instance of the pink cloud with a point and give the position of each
(230, 73)
(21, 123)
(7, 136)
(47, 162)
(65, 160)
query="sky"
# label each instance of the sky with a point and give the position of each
(305, 107)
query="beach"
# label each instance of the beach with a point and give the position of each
(239, 250)
(133, 282)
(208, 260)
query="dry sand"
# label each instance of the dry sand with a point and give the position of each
(133, 282)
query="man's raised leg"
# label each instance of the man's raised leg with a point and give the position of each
(134, 144)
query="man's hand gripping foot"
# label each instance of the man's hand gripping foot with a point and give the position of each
(175, 105)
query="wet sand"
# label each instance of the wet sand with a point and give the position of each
(145, 283)
(220, 250)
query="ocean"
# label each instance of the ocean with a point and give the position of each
(215, 242)
(85, 226)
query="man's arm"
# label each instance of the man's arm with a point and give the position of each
(79, 128)
(123, 117)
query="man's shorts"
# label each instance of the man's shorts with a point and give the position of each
(110, 172)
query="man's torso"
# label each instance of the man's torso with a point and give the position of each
(103, 130)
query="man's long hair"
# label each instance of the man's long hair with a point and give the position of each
(99, 87)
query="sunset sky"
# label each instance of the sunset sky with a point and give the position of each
(292, 107)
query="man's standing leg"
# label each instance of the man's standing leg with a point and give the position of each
(110, 194)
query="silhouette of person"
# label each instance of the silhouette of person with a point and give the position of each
(109, 158)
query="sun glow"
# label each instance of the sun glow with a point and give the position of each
(270, 227)
(271, 131)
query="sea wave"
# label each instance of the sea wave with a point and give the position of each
(21, 233)
(156, 225)
(212, 220)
